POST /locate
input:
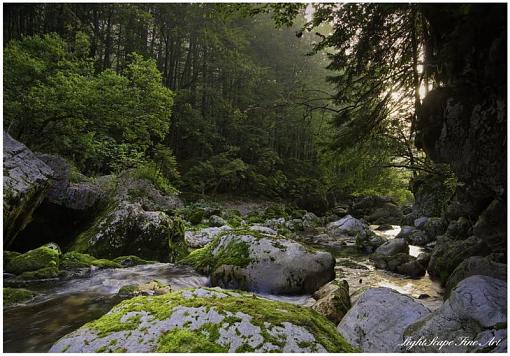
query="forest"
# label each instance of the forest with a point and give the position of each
(164, 158)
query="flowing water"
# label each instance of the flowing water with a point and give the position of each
(65, 306)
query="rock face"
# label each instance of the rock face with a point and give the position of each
(376, 322)
(200, 238)
(205, 320)
(26, 182)
(250, 261)
(476, 310)
(333, 300)
(484, 266)
(128, 229)
(463, 123)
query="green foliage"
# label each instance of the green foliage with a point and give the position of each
(152, 173)
(104, 122)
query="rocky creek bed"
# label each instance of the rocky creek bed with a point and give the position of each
(63, 306)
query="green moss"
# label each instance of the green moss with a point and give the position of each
(43, 273)
(236, 253)
(201, 340)
(184, 340)
(75, 259)
(33, 260)
(9, 255)
(17, 295)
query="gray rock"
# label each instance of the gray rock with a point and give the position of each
(347, 227)
(376, 322)
(264, 264)
(263, 230)
(406, 231)
(418, 238)
(206, 320)
(392, 247)
(294, 225)
(476, 310)
(333, 300)
(217, 221)
(127, 229)
(310, 220)
(202, 237)
(459, 229)
(448, 254)
(476, 265)
(434, 227)
(27, 180)
(76, 196)
(420, 222)
(275, 224)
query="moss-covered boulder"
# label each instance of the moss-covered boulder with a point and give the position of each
(73, 259)
(201, 237)
(448, 254)
(127, 229)
(205, 320)
(17, 295)
(131, 261)
(333, 300)
(43, 257)
(26, 182)
(248, 260)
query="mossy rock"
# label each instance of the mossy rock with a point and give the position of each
(73, 259)
(206, 320)
(249, 260)
(127, 229)
(33, 260)
(8, 256)
(17, 295)
(42, 273)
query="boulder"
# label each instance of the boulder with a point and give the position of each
(370, 242)
(217, 221)
(434, 227)
(412, 268)
(247, 260)
(377, 320)
(392, 247)
(205, 320)
(27, 180)
(295, 225)
(420, 222)
(13, 296)
(333, 300)
(310, 220)
(127, 229)
(275, 224)
(44, 257)
(418, 238)
(476, 311)
(448, 254)
(347, 228)
(491, 226)
(459, 229)
(476, 265)
(263, 230)
(377, 210)
(200, 238)
(79, 196)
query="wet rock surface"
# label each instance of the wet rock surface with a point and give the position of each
(205, 320)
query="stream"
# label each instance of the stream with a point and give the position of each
(63, 307)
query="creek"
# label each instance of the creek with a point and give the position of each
(63, 306)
